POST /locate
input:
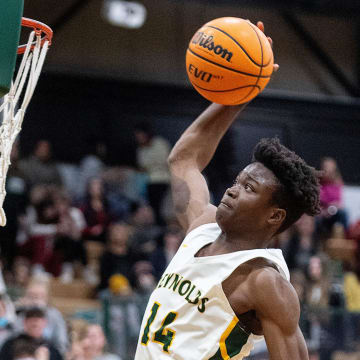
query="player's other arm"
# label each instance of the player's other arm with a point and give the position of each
(278, 309)
(189, 157)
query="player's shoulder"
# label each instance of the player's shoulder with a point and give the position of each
(273, 296)
(265, 279)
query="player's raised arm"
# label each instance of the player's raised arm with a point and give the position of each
(278, 309)
(189, 157)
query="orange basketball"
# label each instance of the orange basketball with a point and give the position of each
(229, 61)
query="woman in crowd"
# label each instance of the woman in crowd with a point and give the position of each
(89, 343)
(95, 210)
(331, 197)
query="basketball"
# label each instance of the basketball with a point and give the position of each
(229, 61)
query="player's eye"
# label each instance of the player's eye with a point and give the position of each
(249, 187)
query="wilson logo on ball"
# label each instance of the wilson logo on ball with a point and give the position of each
(200, 74)
(205, 41)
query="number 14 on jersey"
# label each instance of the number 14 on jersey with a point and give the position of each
(163, 336)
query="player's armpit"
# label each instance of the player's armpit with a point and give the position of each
(190, 195)
(278, 309)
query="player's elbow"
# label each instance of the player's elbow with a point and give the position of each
(184, 150)
(171, 159)
(178, 155)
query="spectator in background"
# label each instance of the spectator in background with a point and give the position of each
(302, 244)
(93, 344)
(19, 277)
(68, 240)
(318, 287)
(145, 232)
(124, 309)
(95, 210)
(91, 166)
(144, 277)
(33, 330)
(38, 231)
(309, 325)
(14, 205)
(331, 197)
(27, 348)
(118, 257)
(37, 295)
(39, 168)
(163, 254)
(152, 154)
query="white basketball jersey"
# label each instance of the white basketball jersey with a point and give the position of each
(188, 316)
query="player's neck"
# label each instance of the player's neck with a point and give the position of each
(226, 243)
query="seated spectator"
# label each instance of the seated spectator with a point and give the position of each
(18, 278)
(118, 257)
(122, 189)
(33, 330)
(325, 302)
(318, 287)
(302, 243)
(162, 255)
(145, 277)
(93, 344)
(331, 197)
(68, 239)
(39, 229)
(152, 153)
(96, 211)
(76, 329)
(91, 165)
(309, 324)
(28, 348)
(126, 181)
(39, 168)
(145, 232)
(37, 294)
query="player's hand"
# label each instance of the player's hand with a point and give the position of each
(260, 25)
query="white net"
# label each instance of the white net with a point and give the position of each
(13, 109)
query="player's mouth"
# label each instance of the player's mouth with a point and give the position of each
(225, 205)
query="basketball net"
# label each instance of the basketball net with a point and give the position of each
(13, 110)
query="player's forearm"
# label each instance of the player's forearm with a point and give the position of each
(283, 347)
(199, 142)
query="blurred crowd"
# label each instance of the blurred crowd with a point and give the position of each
(56, 213)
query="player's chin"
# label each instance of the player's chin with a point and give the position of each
(221, 216)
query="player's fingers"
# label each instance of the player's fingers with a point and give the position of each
(276, 67)
(260, 25)
(270, 41)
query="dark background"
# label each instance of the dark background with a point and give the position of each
(100, 80)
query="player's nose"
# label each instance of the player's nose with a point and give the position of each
(232, 192)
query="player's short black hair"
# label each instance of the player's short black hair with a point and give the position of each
(298, 188)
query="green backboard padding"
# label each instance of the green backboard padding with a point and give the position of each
(11, 12)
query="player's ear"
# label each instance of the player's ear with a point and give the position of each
(277, 216)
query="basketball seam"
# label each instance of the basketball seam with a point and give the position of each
(227, 68)
(237, 43)
(241, 87)
(261, 68)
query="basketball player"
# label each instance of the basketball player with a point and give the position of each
(224, 288)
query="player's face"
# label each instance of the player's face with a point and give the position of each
(246, 206)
